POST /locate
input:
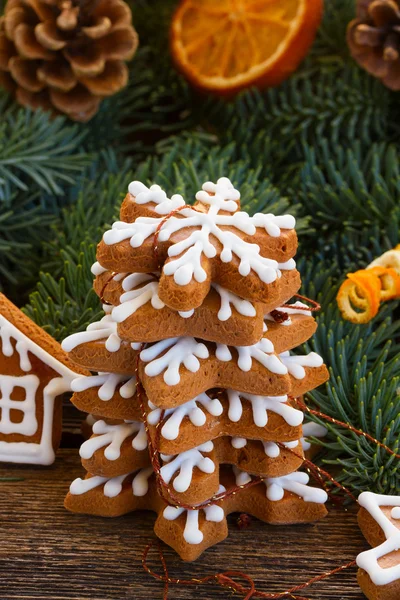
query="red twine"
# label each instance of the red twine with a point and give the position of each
(226, 580)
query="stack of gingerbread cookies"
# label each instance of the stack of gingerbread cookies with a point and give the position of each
(194, 359)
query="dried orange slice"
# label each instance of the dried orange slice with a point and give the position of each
(224, 46)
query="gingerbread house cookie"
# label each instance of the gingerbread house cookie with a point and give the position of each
(34, 374)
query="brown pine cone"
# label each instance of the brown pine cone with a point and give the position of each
(65, 55)
(374, 39)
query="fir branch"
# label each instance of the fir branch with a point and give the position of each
(68, 305)
(364, 364)
(38, 153)
(350, 189)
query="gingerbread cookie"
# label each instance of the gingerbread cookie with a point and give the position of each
(34, 374)
(101, 345)
(206, 417)
(195, 362)
(282, 500)
(212, 241)
(177, 369)
(222, 317)
(379, 572)
(173, 371)
(116, 448)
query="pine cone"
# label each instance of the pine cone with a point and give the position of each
(374, 39)
(65, 55)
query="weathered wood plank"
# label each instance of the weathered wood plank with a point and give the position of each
(47, 553)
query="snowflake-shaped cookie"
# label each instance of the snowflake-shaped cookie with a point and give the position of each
(212, 241)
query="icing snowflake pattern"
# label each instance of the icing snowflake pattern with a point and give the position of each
(192, 533)
(186, 255)
(271, 449)
(194, 409)
(295, 363)
(260, 406)
(180, 351)
(262, 352)
(106, 329)
(107, 384)
(295, 483)
(112, 486)
(155, 194)
(184, 463)
(112, 437)
(137, 295)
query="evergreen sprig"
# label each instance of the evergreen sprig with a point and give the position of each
(37, 151)
(323, 145)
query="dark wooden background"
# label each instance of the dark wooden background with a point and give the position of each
(47, 553)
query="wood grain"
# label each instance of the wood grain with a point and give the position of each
(47, 553)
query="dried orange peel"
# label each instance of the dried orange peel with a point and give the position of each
(390, 259)
(390, 282)
(359, 297)
(222, 47)
(365, 287)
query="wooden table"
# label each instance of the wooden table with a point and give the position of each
(47, 553)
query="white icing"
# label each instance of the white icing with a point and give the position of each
(242, 478)
(140, 483)
(312, 429)
(180, 351)
(296, 483)
(137, 295)
(155, 194)
(112, 437)
(238, 442)
(395, 513)
(221, 194)
(185, 256)
(260, 407)
(184, 463)
(295, 363)
(27, 407)
(271, 449)
(193, 409)
(82, 486)
(135, 299)
(97, 269)
(41, 452)
(243, 307)
(106, 329)
(261, 352)
(186, 314)
(192, 533)
(112, 486)
(132, 281)
(369, 560)
(107, 384)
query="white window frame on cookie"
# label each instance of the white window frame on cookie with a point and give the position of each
(30, 384)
